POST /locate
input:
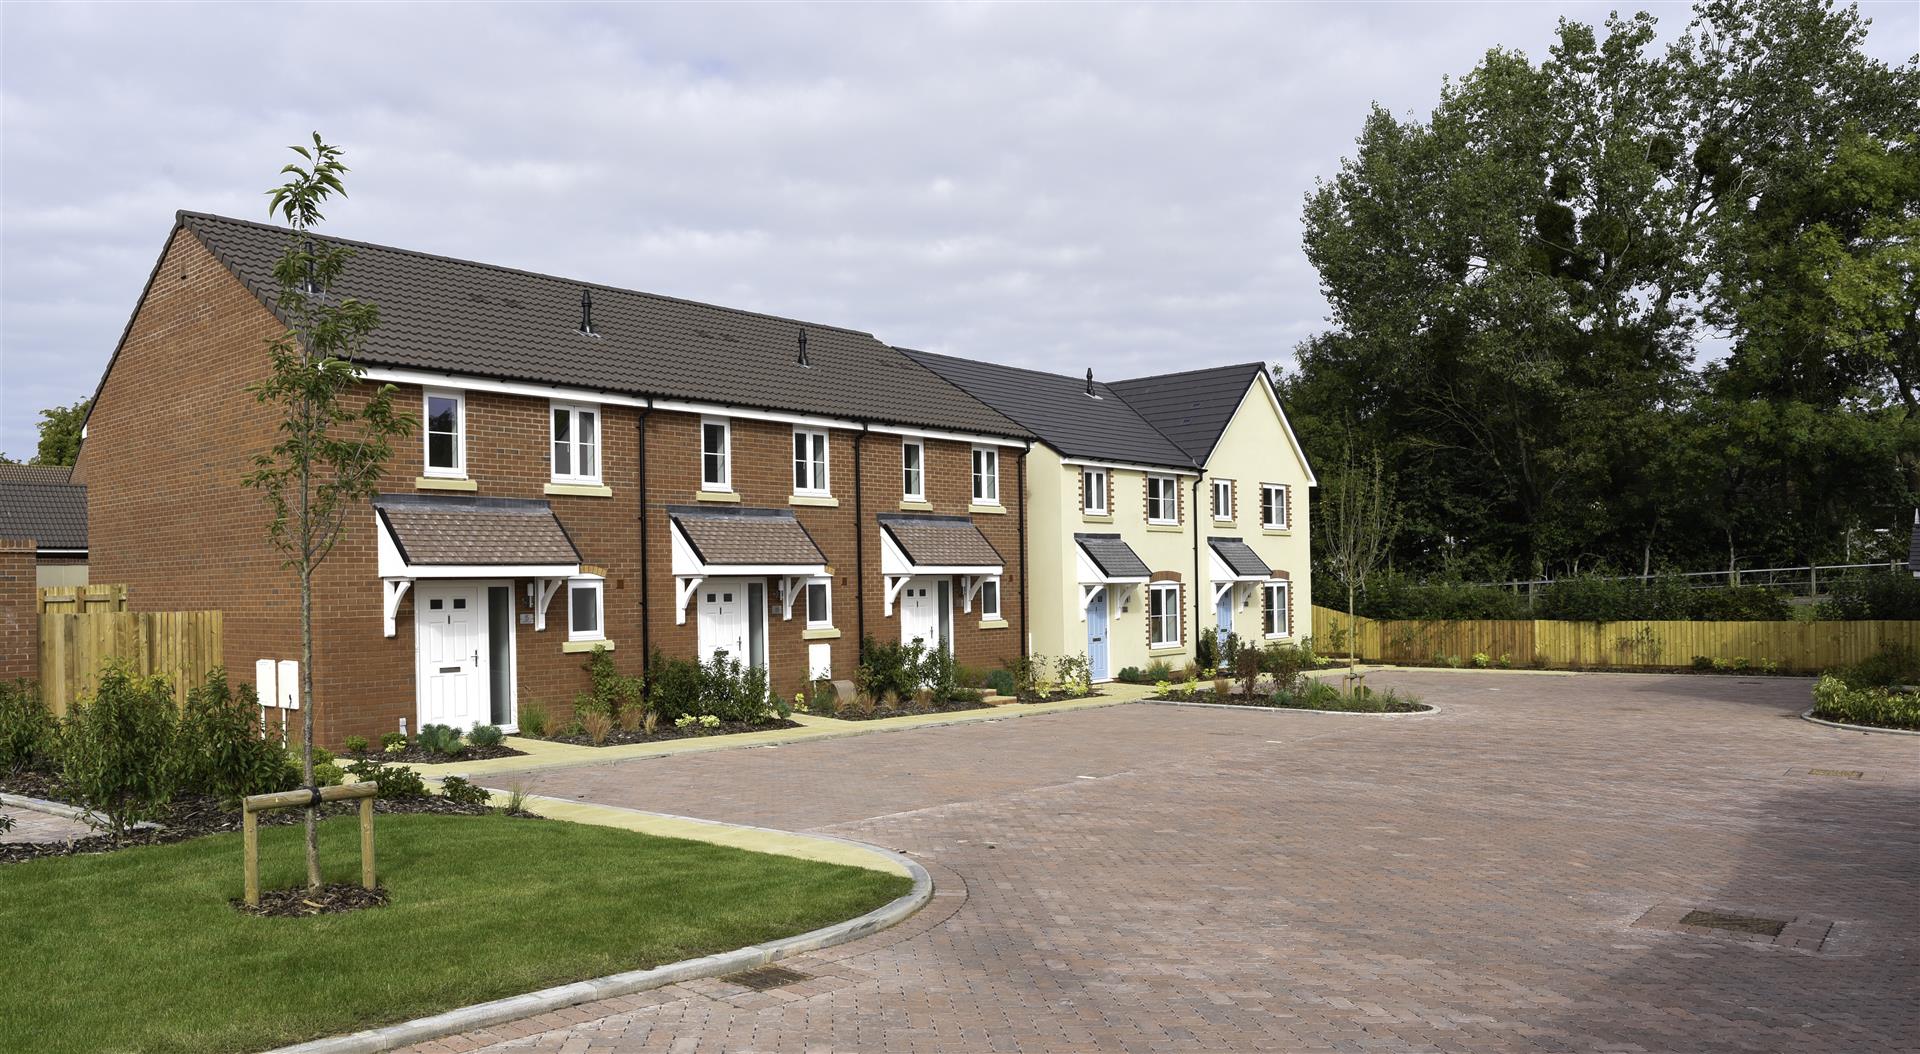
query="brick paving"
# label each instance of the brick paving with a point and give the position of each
(1149, 878)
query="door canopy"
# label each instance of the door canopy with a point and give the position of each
(429, 536)
(912, 546)
(741, 542)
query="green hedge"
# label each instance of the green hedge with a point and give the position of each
(1572, 600)
(1872, 596)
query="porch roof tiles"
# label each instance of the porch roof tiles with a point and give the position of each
(941, 541)
(1240, 556)
(1113, 556)
(457, 530)
(746, 536)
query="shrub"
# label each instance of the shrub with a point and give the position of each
(939, 677)
(1284, 663)
(533, 719)
(1157, 670)
(1001, 681)
(674, 690)
(1130, 675)
(29, 735)
(733, 691)
(613, 691)
(1246, 665)
(486, 736)
(1074, 674)
(1399, 597)
(887, 667)
(443, 740)
(1894, 665)
(1481, 660)
(393, 739)
(354, 744)
(462, 792)
(393, 782)
(1872, 596)
(1222, 688)
(1835, 700)
(218, 746)
(116, 751)
(971, 676)
(597, 726)
(1206, 650)
(1702, 662)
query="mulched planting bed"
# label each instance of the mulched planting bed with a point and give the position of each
(333, 898)
(1060, 698)
(1842, 717)
(666, 732)
(191, 816)
(906, 710)
(416, 756)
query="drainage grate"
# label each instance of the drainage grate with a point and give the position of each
(1845, 774)
(761, 978)
(1720, 920)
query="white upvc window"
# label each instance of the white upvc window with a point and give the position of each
(1223, 499)
(1273, 506)
(820, 603)
(1163, 499)
(990, 600)
(810, 462)
(585, 608)
(1163, 615)
(1278, 621)
(716, 454)
(913, 470)
(1093, 491)
(576, 443)
(986, 476)
(446, 434)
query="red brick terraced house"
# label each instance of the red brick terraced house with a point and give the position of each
(595, 467)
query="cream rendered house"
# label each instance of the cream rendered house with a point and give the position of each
(1127, 558)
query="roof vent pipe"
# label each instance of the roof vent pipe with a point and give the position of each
(1090, 382)
(586, 312)
(804, 361)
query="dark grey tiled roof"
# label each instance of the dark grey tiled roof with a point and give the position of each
(1114, 557)
(35, 473)
(743, 536)
(1058, 410)
(1191, 408)
(462, 317)
(54, 515)
(1240, 556)
(941, 541)
(431, 529)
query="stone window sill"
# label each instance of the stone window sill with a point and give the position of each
(443, 483)
(907, 505)
(822, 500)
(823, 633)
(579, 490)
(717, 495)
(993, 623)
(1278, 532)
(1097, 517)
(989, 510)
(1165, 528)
(1169, 649)
(575, 647)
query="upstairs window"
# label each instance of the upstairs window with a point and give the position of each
(716, 458)
(913, 470)
(446, 434)
(1273, 506)
(1163, 499)
(1093, 491)
(1223, 499)
(810, 462)
(576, 444)
(986, 476)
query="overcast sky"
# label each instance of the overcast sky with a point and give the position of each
(1056, 186)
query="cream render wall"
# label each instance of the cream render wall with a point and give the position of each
(1258, 447)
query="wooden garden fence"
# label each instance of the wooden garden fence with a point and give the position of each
(74, 600)
(1802, 646)
(183, 646)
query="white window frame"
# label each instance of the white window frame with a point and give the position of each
(725, 482)
(916, 474)
(990, 612)
(819, 619)
(1223, 510)
(1093, 492)
(1171, 614)
(574, 445)
(428, 468)
(1282, 607)
(1273, 496)
(986, 475)
(599, 588)
(820, 482)
(1172, 487)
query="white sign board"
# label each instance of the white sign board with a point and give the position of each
(264, 684)
(289, 684)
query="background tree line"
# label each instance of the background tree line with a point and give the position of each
(1631, 308)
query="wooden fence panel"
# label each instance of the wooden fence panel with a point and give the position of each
(183, 646)
(74, 600)
(1803, 646)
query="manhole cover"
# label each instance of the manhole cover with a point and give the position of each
(762, 978)
(1845, 774)
(1720, 920)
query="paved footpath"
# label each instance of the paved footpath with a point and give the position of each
(1506, 875)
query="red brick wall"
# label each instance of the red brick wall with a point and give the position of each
(19, 611)
(174, 429)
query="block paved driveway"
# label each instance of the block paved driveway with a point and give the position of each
(1148, 878)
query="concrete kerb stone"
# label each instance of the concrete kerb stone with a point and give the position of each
(1428, 712)
(1807, 715)
(52, 808)
(547, 1000)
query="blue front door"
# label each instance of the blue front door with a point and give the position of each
(1097, 636)
(1223, 615)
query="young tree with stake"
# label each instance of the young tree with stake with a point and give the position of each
(1356, 527)
(334, 441)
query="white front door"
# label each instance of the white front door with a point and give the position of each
(450, 626)
(925, 611)
(723, 619)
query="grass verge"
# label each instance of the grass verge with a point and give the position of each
(139, 950)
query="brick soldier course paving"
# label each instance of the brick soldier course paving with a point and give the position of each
(1505, 875)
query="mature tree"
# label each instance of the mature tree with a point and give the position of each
(335, 434)
(59, 435)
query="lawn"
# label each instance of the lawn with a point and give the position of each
(140, 950)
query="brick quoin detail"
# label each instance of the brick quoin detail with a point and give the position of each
(19, 610)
